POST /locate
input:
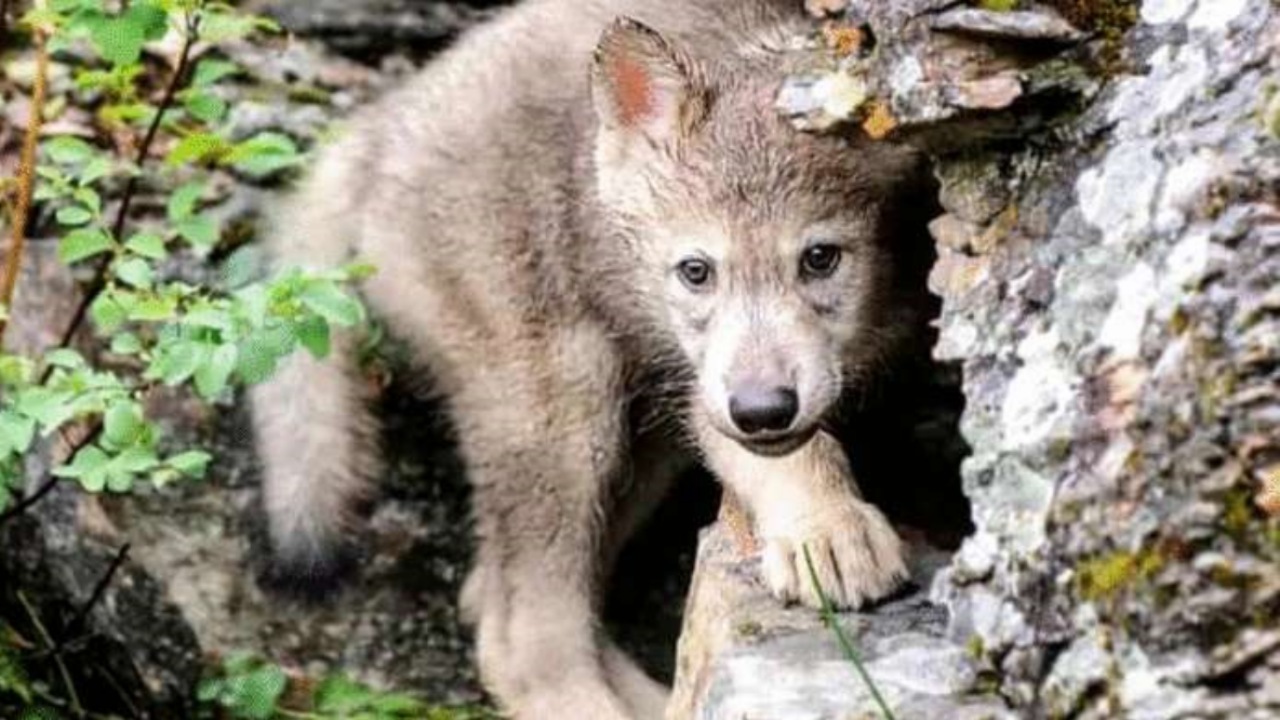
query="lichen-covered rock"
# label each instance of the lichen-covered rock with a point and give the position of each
(743, 655)
(1109, 263)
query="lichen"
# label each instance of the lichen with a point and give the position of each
(1106, 576)
(1109, 19)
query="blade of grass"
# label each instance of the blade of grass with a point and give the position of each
(829, 619)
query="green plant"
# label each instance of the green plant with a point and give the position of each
(248, 688)
(156, 332)
(160, 129)
(846, 645)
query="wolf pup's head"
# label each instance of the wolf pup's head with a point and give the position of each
(768, 254)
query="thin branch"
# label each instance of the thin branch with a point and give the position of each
(51, 481)
(99, 281)
(47, 639)
(77, 623)
(26, 176)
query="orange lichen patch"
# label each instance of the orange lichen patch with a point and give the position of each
(1123, 383)
(1269, 498)
(879, 122)
(843, 39)
(633, 90)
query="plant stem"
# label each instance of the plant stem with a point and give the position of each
(829, 619)
(99, 281)
(26, 176)
(76, 708)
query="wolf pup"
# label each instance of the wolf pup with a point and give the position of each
(613, 256)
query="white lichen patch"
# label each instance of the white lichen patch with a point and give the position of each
(1217, 15)
(1116, 197)
(1122, 331)
(1160, 12)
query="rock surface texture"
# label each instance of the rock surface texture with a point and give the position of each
(1109, 267)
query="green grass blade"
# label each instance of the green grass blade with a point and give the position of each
(829, 619)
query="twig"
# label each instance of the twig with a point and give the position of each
(57, 657)
(104, 582)
(829, 619)
(51, 481)
(26, 173)
(99, 281)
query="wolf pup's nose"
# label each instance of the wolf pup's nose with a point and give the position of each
(758, 410)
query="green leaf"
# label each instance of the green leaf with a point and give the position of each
(122, 424)
(313, 334)
(200, 231)
(69, 150)
(74, 215)
(192, 463)
(107, 313)
(148, 245)
(177, 361)
(263, 154)
(261, 351)
(206, 107)
(65, 359)
(119, 39)
(254, 695)
(183, 201)
(210, 71)
(88, 466)
(328, 301)
(198, 147)
(16, 433)
(154, 308)
(126, 344)
(97, 169)
(135, 271)
(48, 407)
(212, 376)
(82, 244)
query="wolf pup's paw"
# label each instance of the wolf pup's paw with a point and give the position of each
(857, 556)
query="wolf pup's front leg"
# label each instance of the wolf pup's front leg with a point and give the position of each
(543, 436)
(809, 498)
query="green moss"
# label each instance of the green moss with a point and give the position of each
(1237, 513)
(748, 630)
(976, 648)
(1106, 576)
(1110, 19)
(998, 5)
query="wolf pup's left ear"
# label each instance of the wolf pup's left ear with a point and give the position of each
(644, 87)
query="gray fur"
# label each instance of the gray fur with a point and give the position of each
(526, 200)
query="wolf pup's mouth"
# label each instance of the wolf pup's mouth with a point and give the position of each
(777, 445)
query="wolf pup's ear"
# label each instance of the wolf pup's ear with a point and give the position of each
(644, 87)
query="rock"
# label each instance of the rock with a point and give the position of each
(1107, 263)
(371, 28)
(743, 655)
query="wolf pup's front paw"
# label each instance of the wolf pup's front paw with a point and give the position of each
(857, 556)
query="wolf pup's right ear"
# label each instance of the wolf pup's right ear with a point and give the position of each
(644, 88)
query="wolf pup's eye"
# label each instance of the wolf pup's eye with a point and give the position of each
(695, 273)
(820, 261)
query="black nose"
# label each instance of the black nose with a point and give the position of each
(757, 410)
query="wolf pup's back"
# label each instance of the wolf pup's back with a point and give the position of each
(569, 214)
